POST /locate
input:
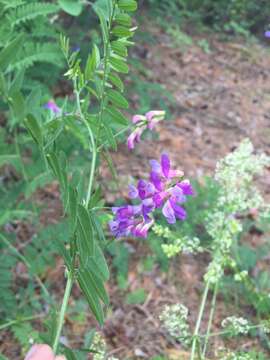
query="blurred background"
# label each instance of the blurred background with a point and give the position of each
(207, 64)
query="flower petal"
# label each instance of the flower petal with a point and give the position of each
(165, 164)
(141, 230)
(155, 165)
(186, 187)
(133, 192)
(168, 212)
(138, 118)
(159, 197)
(155, 113)
(178, 194)
(179, 211)
(131, 140)
(156, 181)
(145, 189)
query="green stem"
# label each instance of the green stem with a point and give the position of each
(18, 321)
(93, 148)
(198, 323)
(63, 309)
(211, 316)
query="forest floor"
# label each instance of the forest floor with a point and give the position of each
(220, 98)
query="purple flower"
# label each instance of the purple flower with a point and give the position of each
(142, 122)
(51, 105)
(165, 189)
(267, 34)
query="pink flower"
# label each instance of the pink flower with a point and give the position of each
(142, 122)
(153, 117)
(51, 105)
(135, 137)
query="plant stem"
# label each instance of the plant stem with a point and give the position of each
(198, 323)
(212, 311)
(18, 321)
(93, 148)
(63, 309)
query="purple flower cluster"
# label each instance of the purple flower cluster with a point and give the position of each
(143, 122)
(165, 189)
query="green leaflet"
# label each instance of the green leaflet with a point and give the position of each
(119, 65)
(121, 31)
(103, 22)
(97, 284)
(123, 19)
(109, 136)
(91, 296)
(18, 106)
(116, 115)
(85, 235)
(99, 264)
(92, 63)
(58, 166)
(127, 5)
(72, 7)
(35, 130)
(119, 48)
(73, 208)
(117, 99)
(9, 52)
(116, 81)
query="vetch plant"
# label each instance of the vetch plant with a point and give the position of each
(96, 120)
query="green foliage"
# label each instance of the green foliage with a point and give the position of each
(231, 16)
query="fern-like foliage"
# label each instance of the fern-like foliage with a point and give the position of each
(26, 12)
(35, 53)
(30, 20)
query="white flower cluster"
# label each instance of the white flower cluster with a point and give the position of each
(174, 318)
(236, 356)
(265, 326)
(235, 175)
(236, 325)
(178, 244)
(163, 231)
(99, 348)
(237, 195)
(241, 276)
(184, 244)
(215, 270)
